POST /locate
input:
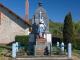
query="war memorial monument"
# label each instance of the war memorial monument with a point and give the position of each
(40, 39)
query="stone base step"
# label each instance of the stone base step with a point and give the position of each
(45, 58)
(39, 52)
(40, 41)
(40, 46)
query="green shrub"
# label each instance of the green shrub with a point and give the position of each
(5, 47)
(1, 49)
(77, 44)
(23, 40)
(56, 50)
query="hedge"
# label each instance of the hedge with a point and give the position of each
(77, 45)
(23, 40)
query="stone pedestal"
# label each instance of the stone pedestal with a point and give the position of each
(31, 37)
(40, 46)
(49, 41)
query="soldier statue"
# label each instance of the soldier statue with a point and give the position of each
(41, 28)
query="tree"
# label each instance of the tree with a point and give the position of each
(68, 31)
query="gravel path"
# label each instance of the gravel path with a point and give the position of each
(75, 58)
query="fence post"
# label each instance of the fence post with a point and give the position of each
(57, 44)
(14, 50)
(17, 46)
(69, 50)
(62, 48)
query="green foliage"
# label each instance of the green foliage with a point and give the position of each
(77, 45)
(1, 49)
(23, 40)
(77, 27)
(56, 28)
(5, 47)
(68, 31)
(56, 50)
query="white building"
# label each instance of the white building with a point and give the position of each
(11, 25)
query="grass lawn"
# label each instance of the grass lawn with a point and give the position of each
(2, 51)
(76, 53)
(5, 58)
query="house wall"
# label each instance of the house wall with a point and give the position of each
(10, 27)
